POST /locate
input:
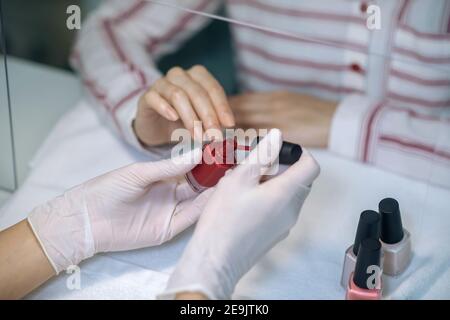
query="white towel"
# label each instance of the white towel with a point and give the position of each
(306, 265)
(121, 281)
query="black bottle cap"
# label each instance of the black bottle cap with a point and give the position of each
(289, 152)
(368, 227)
(369, 255)
(391, 221)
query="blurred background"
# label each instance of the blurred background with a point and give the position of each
(39, 34)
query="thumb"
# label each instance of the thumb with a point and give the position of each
(150, 172)
(262, 157)
(301, 174)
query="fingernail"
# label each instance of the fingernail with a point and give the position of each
(228, 119)
(214, 134)
(171, 115)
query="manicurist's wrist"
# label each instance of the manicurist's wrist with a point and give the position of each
(63, 229)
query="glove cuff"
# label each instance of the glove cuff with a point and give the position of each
(170, 293)
(197, 272)
(63, 229)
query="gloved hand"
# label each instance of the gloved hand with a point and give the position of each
(136, 206)
(242, 220)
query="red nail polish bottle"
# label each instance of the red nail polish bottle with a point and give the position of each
(218, 157)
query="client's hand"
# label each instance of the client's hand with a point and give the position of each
(302, 118)
(242, 220)
(136, 206)
(177, 100)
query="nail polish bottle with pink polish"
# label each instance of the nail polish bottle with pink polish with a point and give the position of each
(365, 281)
(368, 227)
(396, 240)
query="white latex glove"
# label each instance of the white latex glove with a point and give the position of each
(135, 206)
(242, 220)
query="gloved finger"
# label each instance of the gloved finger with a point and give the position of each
(301, 174)
(150, 172)
(184, 191)
(188, 212)
(261, 158)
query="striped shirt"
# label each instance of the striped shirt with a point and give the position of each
(392, 84)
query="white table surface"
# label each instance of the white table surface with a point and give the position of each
(4, 196)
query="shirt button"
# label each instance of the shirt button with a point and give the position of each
(356, 67)
(363, 7)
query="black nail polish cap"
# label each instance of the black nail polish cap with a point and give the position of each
(289, 152)
(391, 221)
(368, 227)
(369, 255)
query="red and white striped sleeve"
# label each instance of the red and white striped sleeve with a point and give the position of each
(412, 142)
(407, 130)
(117, 47)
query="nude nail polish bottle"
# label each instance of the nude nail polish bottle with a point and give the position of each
(365, 281)
(218, 157)
(396, 240)
(368, 227)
